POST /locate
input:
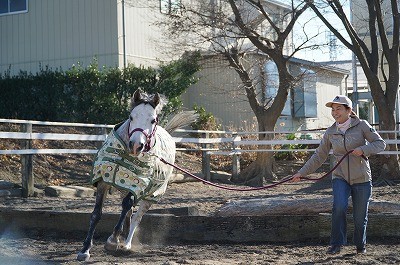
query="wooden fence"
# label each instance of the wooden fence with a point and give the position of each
(231, 144)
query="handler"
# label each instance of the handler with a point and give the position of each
(352, 176)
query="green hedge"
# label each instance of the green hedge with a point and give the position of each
(89, 94)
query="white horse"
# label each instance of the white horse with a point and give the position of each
(129, 160)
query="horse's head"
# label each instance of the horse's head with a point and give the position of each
(143, 121)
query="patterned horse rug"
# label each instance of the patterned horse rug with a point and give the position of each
(137, 175)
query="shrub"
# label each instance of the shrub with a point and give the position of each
(291, 155)
(206, 120)
(91, 94)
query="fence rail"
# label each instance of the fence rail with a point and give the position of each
(232, 141)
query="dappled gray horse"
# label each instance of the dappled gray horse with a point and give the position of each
(129, 160)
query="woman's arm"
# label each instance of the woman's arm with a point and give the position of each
(318, 158)
(375, 142)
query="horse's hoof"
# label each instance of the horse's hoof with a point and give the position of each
(112, 244)
(126, 248)
(123, 251)
(83, 256)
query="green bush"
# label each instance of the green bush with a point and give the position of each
(91, 94)
(206, 120)
(291, 155)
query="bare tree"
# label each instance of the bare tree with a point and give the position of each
(374, 40)
(233, 29)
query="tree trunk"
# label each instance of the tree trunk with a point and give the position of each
(262, 168)
(390, 165)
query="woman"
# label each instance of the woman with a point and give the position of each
(352, 176)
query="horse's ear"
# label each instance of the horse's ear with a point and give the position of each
(136, 98)
(156, 99)
(137, 95)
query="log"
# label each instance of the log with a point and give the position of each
(294, 206)
(182, 178)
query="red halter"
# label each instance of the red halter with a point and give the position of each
(147, 146)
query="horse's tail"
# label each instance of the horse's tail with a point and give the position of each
(180, 120)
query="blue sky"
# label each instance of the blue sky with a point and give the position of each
(315, 27)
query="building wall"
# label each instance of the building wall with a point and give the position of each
(220, 92)
(59, 33)
(326, 89)
(142, 36)
(329, 85)
(217, 91)
(360, 24)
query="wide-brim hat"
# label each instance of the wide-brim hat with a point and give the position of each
(340, 99)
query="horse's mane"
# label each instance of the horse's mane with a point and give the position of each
(149, 98)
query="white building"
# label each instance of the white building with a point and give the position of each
(61, 33)
(219, 91)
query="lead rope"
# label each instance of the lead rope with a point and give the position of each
(256, 188)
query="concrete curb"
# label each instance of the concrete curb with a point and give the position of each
(68, 191)
(167, 228)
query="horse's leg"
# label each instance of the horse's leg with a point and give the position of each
(102, 190)
(144, 206)
(113, 240)
(127, 223)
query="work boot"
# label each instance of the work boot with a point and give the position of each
(334, 249)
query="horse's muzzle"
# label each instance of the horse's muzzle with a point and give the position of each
(135, 148)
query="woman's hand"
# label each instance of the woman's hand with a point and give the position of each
(296, 177)
(358, 151)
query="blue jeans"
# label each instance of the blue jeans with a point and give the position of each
(360, 194)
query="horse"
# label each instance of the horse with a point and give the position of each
(130, 161)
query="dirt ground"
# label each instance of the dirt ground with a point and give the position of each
(35, 247)
(55, 249)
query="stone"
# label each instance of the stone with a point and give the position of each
(11, 192)
(69, 191)
(59, 191)
(5, 185)
(82, 191)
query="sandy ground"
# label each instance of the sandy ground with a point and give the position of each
(52, 249)
(34, 247)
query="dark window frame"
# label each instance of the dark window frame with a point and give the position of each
(9, 6)
(171, 7)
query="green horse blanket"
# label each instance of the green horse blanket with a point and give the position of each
(138, 175)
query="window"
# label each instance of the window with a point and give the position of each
(305, 95)
(170, 7)
(13, 6)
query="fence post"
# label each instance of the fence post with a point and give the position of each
(235, 157)
(205, 160)
(102, 131)
(207, 168)
(27, 164)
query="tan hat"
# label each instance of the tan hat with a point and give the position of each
(340, 99)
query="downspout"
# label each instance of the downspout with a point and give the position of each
(123, 34)
(354, 70)
(355, 83)
(346, 88)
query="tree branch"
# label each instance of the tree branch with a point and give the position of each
(310, 3)
(396, 25)
(381, 27)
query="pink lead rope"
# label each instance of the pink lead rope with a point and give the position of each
(256, 188)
